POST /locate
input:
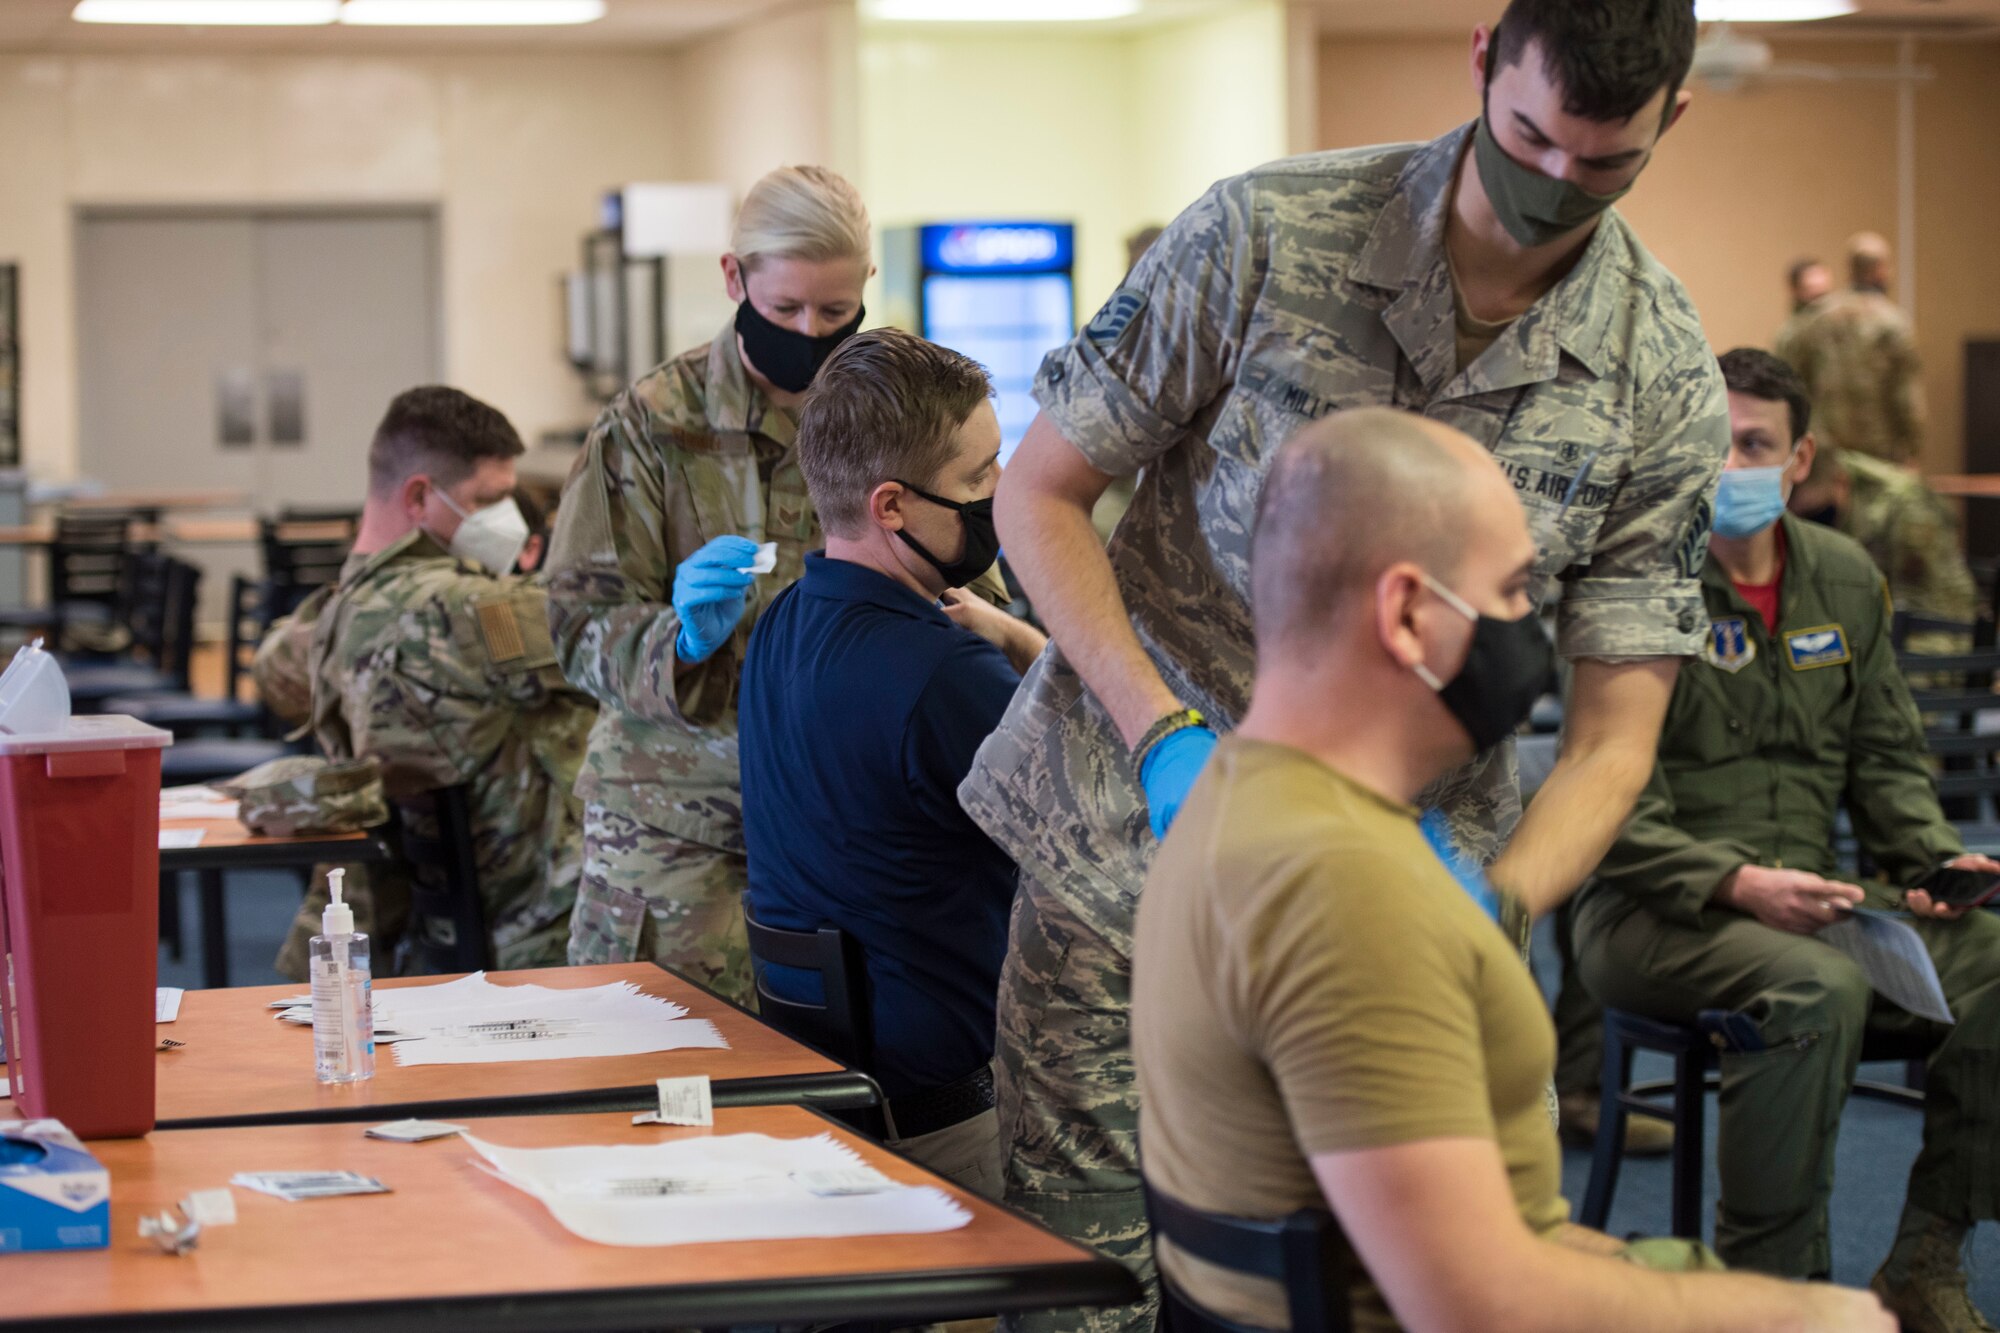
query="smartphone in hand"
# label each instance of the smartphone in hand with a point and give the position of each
(1951, 887)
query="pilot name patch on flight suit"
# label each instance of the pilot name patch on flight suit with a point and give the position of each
(1820, 646)
(1729, 644)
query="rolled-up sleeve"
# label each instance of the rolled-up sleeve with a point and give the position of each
(1165, 344)
(1640, 596)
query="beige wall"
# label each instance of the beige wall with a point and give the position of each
(512, 151)
(1112, 131)
(1751, 179)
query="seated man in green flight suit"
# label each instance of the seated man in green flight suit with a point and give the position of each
(1712, 896)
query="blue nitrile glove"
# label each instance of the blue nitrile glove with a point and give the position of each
(1471, 877)
(709, 595)
(1169, 771)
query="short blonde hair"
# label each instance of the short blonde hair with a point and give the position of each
(801, 213)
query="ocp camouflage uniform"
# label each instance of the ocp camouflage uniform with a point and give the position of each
(1766, 738)
(1858, 358)
(445, 676)
(1308, 285)
(691, 452)
(1913, 540)
(379, 893)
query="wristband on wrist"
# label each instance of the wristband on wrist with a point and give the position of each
(1165, 727)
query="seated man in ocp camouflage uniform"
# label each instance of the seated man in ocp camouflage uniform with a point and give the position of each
(431, 656)
(1713, 895)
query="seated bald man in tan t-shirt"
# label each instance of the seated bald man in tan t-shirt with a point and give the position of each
(1321, 1015)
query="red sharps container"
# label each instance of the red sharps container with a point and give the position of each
(79, 916)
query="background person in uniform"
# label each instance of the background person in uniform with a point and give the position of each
(1321, 1016)
(430, 656)
(1712, 895)
(1480, 279)
(1906, 530)
(684, 474)
(1808, 280)
(1858, 358)
(868, 687)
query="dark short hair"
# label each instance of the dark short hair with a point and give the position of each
(1754, 371)
(440, 431)
(1609, 57)
(1798, 269)
(886, 406)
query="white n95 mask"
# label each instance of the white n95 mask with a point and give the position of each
(492, 537)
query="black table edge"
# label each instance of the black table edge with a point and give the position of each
(841, 1089)
(915, 1297)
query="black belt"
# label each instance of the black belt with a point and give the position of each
(934, 1109)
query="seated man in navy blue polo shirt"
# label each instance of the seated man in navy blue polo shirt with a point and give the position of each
(868, 686)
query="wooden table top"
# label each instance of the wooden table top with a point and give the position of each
(452, 1246)
(227, 845)
(1973, 485)
(241, 1066)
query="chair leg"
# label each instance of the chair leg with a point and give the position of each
(171, 934)
(214, 931)
(1608, 1153)
(1690, 1114)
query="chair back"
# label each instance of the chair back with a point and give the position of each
(840, 1025)
(447, 931)
(183, 600)
(244, 632)
(303, 550)
(143, 594)
(1301, 1252)
(87, 559)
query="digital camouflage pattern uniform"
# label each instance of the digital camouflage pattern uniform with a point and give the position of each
(1308, 285)
(444, 675)
(1913, 540)
(1766, 737)
(1858, 358)
(691, 452)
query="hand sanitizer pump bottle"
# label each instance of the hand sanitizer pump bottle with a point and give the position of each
(343, 1021)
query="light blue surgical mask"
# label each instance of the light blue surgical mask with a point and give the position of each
(1749, 500)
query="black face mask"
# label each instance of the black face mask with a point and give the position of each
(982, 543)
(1509, 665)
(786, 357)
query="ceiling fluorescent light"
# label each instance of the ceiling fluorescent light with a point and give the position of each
(470, 13)
(1771, 11)
(209, 13)
(1000, 11)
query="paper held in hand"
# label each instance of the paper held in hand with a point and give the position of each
(731, 1187)
(1893, 958)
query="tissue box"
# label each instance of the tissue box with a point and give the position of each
(53, 1194)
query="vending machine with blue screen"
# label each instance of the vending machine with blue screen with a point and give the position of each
(1000, 292)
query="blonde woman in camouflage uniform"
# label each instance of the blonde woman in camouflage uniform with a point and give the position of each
(684, 474)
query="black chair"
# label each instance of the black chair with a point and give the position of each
(301, 555)
(191, 715)
(1696, 1052)
(1906, 623)
(1300, 1252)
(86, 567)
(163, 593)
(447, 931)
(841, 1024)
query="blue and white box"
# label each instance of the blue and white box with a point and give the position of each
(53, 1193)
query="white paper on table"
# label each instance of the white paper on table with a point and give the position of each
(196, 803)
(731, 1187)
(6, 1087)
(167, 1003)
(473, 1021)
(176, 839)
(1893, 958)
